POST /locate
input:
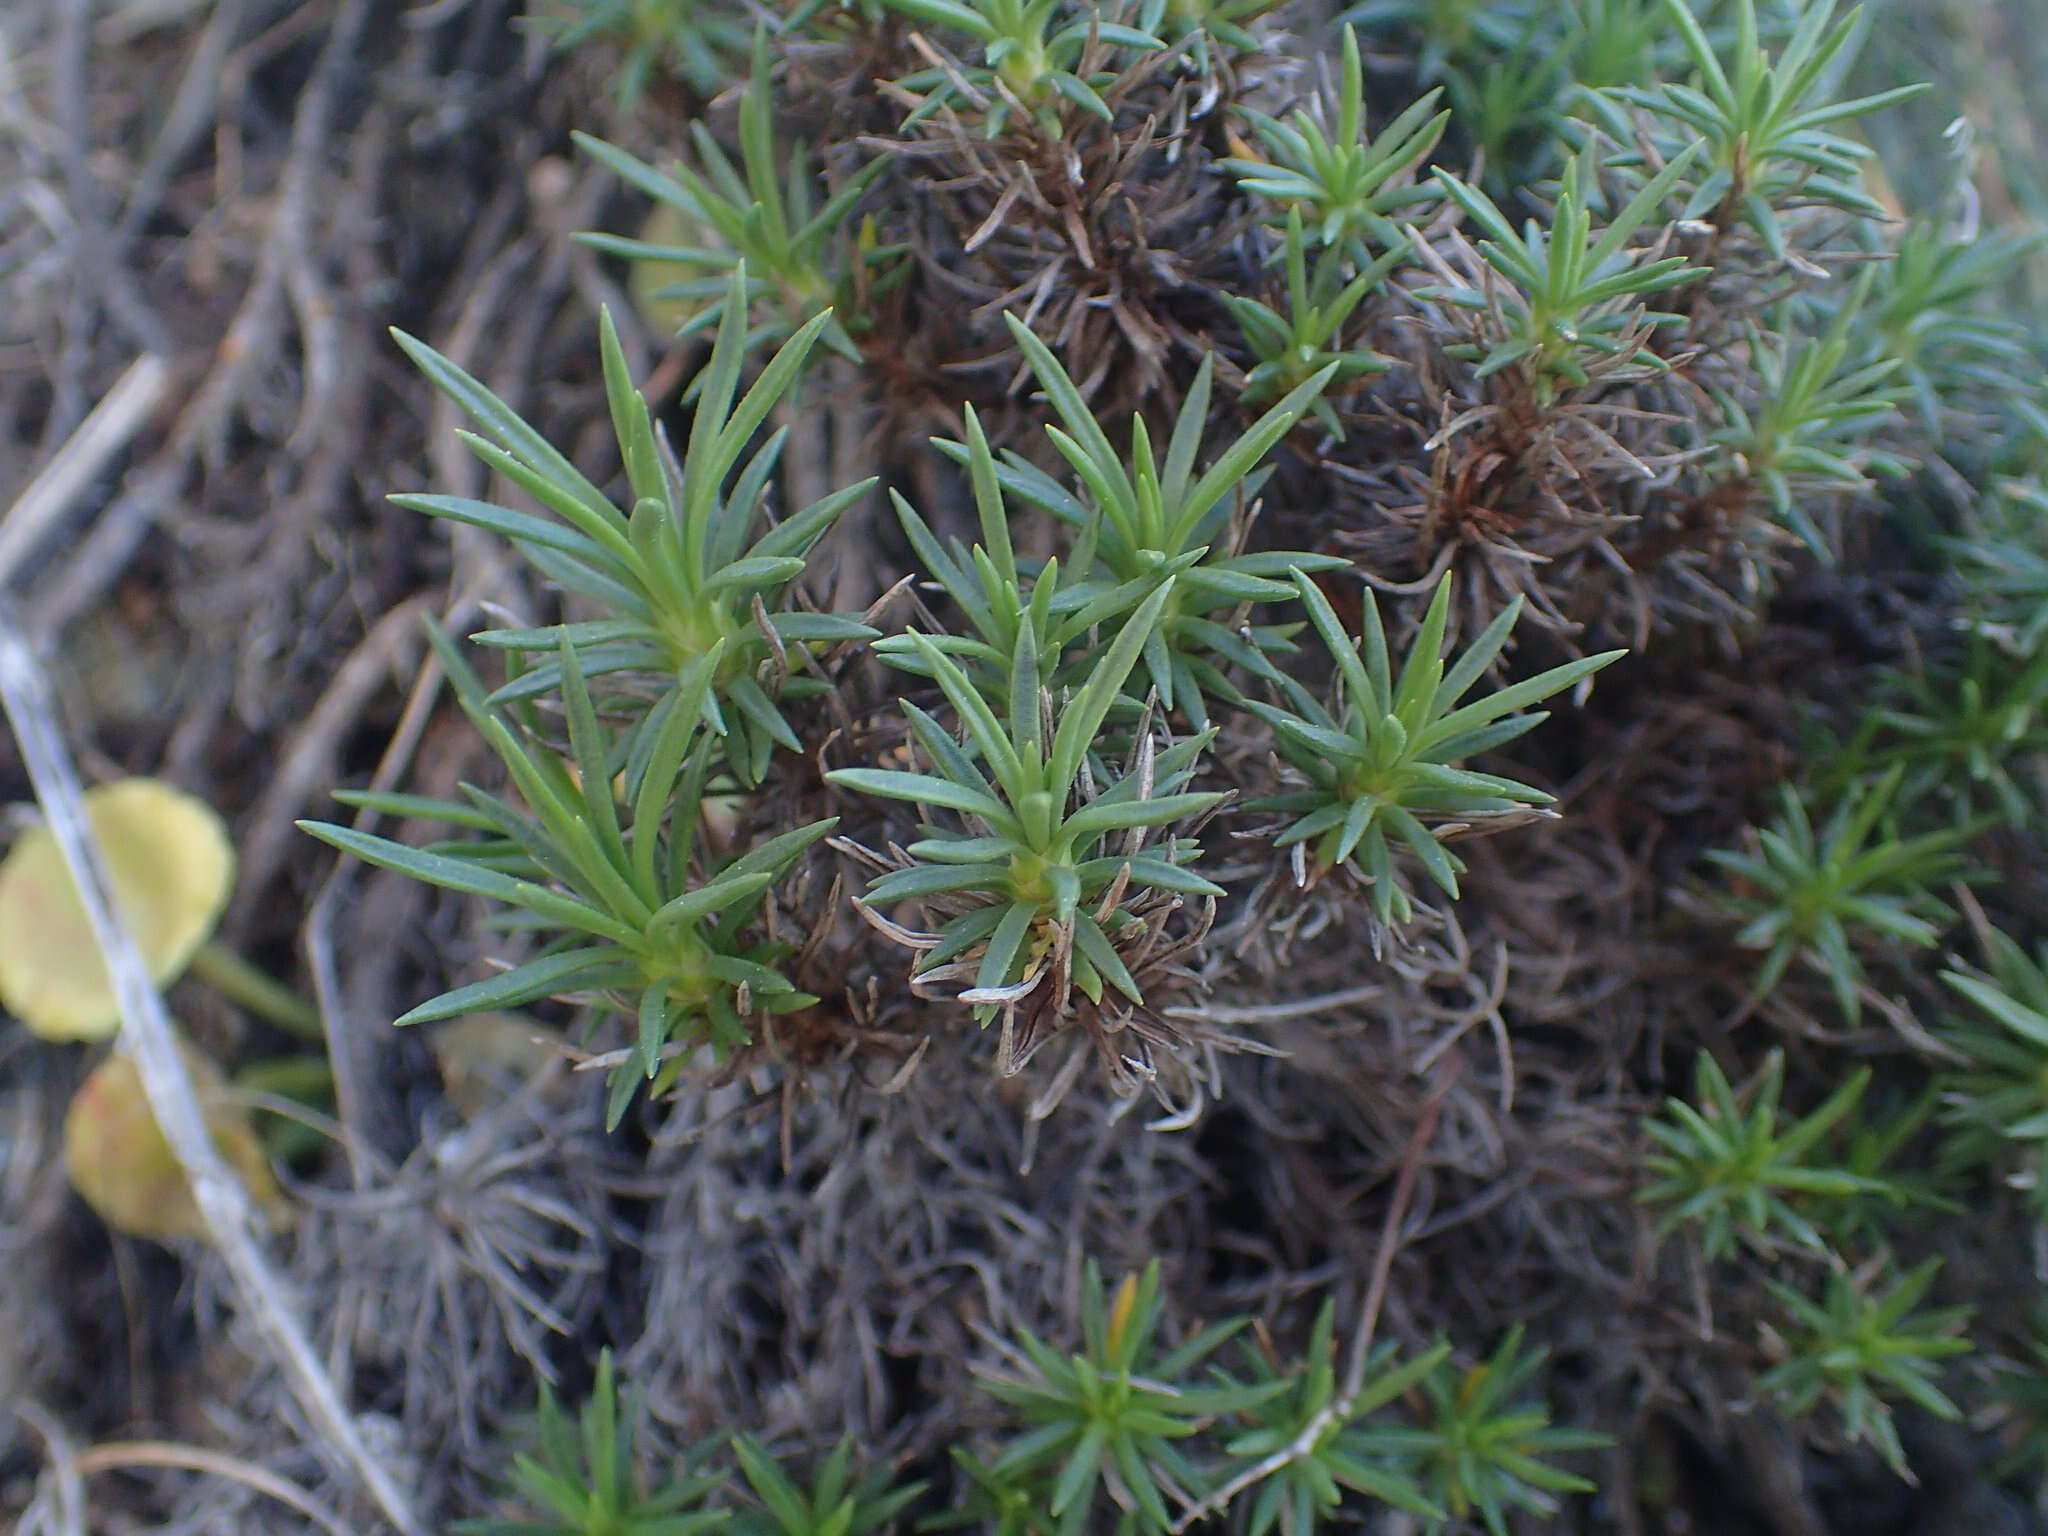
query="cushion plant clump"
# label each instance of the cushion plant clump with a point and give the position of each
(1043, 899)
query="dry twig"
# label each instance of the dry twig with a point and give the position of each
(146, 1034)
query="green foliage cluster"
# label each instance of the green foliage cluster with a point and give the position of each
(1124, 1425)
(1729, 1167)
(1865, 1344)
(1341, 197)
(1741, 1183)
(1810, 430)
(1647, 168)
(1043, 858)
(606, 856)
(1864, 870)
(1348, 187)
(1055, 757)
(1998, 1102)
(692, 40)
(1808, 893)
(589, 1479)
(1387, 753)
(764, 238)
(1767, 121)
(1038, 59)
(1572, 300)
(1125, 1432)
(1045, 863)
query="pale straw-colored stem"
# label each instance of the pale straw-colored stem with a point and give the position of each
(147, 1038)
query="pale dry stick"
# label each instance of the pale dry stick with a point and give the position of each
(104, 433)
(247, 341)
(854, 422)
(67, 1490)
(563, 203)
(1273, 1013)
(806, 459)
(1390, 1231)
(92, 566)
(1900, 1017)
(21, 124)
(1491, 994)
(251, 338)
(192, 1458)
(146, 1035)
(1304, 1445)
(106, 287)
(192, 110)
(308, 761)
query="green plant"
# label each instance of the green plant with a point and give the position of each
(1804, 893)
(1767, 127)
(695, 40)
(1032, 60)
(1385, 753)
(1041, 863)
(584, 1479)
(1326, 1447)
(1809, 429)
(1904, 1185)
(769, 239)
(997, 1503)
(1960, 734)
(1506, 105)
(1205, 22)
(1155, 522)
(2021, 1387)
(1613, 42)
(676, 577)
(1573, 301)
(1447, 31)
(987, 586)
(1103, 1423)
(2000, 1101)
(1294, 349)
(834, 1505)
(638, 914)
(1861, 1345)
(1346, 185)
(1928, 307)
(1482, 1445)
(1731, 1169)
(1511, 68)
(2005, 565)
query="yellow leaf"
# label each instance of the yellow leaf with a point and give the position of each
(485, 1057)
(669, 225)
(122, 1167)
(1120, 1313)
(172, 869)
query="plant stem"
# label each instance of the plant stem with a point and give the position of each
(258, 991)
(146, 1033)
(306, 1078)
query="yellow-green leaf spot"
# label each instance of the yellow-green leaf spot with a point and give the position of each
(667, 313)
(172, 868)
(123, 1168)
(486, 1057)
(1120, 1313)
